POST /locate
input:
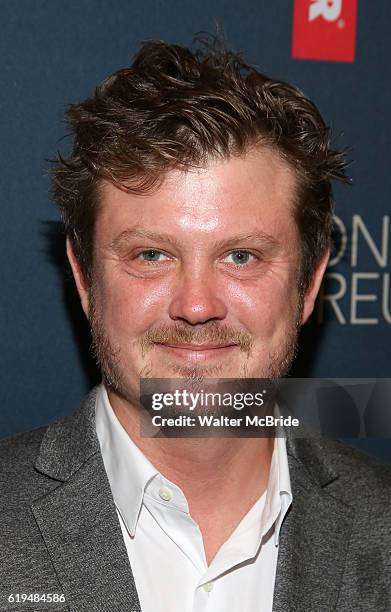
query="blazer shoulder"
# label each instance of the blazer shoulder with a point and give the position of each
(361, 476)
(18, 451)
(20, 482)
(33, 462)
(346, 456)
(347, 470)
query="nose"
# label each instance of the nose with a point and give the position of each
(196, 299)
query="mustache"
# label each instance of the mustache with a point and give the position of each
(207, 334)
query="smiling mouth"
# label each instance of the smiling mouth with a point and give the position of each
(198, 352)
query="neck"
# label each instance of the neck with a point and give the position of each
(229, 473)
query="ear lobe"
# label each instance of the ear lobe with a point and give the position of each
(78, 275)
(312, 291)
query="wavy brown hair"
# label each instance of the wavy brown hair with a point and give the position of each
(174, 108)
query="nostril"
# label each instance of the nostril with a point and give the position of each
(197, 307)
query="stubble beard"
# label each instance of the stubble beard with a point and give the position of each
(108, 357)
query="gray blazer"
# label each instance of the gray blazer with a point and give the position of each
(59, 531)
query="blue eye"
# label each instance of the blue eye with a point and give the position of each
(241, 257)
(151, 255)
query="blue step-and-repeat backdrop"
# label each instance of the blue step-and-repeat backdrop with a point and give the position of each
(53, 53)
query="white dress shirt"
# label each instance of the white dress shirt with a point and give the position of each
(164, 544)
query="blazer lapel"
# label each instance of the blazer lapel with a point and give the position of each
(78, 519)
(314, 537)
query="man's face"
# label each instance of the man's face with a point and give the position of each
(198, 278)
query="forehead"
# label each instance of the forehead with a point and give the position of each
(255, 191)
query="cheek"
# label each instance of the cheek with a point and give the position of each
(263, 306)
(132, 306)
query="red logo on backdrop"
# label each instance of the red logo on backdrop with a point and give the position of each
(324, 30)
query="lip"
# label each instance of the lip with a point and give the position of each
(198, 352)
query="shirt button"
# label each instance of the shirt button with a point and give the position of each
(165, 493)
(208, 587)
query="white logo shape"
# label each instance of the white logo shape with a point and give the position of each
(330, 10)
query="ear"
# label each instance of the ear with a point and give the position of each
(78, 275)
(312, 291)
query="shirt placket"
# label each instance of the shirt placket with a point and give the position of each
(168, 506)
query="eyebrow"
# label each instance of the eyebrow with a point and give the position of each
(120, 244)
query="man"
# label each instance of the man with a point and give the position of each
(197, 205)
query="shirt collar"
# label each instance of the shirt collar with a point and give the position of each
(127, 468)
(279, 492)
(129, 471)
